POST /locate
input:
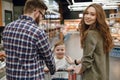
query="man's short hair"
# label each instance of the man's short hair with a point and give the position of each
(30, 5)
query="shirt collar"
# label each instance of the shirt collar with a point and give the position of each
(27, 18)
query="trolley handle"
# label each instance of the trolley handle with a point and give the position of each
(61, 70)
(64, 70)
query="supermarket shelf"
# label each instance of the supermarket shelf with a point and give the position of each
(117, 45)
(115, 51)
(73, 32)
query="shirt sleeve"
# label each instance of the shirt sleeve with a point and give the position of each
(88, 50)
(45, 51)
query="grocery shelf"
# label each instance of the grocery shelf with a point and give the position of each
(115, 51)
(73, 32)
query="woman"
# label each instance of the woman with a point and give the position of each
(96, 42)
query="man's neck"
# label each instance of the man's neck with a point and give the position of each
(30, 15)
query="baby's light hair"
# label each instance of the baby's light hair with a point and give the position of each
(58, 43)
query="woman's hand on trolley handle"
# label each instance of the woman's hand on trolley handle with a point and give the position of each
(77, 69)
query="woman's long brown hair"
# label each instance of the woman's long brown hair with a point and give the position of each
(100, 25)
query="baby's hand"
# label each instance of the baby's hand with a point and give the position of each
(69, 60)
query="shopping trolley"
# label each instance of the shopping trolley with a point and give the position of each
(71, 75)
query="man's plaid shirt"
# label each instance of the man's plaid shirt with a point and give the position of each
(27, 48)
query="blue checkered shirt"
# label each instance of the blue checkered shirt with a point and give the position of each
(27, 49)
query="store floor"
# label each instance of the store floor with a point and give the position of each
(114, 68)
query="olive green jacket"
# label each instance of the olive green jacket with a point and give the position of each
(95, 63)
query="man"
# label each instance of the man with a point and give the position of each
(26, 46)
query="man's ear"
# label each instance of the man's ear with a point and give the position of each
(35, 12)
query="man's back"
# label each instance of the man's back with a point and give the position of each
(26, 47)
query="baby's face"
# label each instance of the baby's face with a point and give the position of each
(60, 51)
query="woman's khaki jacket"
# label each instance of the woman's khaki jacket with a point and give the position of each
(95, 63)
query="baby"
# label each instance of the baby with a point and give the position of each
(61, 63)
